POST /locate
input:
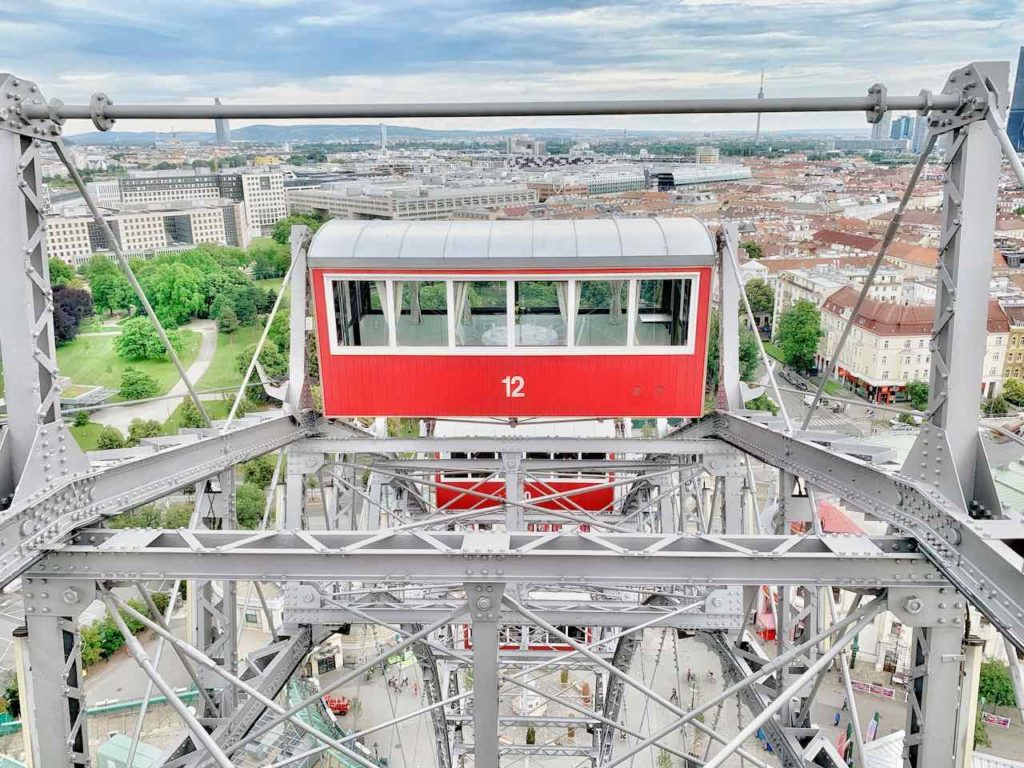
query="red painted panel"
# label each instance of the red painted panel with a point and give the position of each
(554, 385)
(597, 500)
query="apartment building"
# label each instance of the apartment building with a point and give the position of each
(1014, 367)
(261, 191)
(817, 283)
(889, 345)
(405, 200)
(142, 230)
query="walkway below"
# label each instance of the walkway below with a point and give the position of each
(121, 416)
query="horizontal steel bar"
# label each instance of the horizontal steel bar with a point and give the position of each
(538, 558)
(488, 109)
(622, 614)
(616, 445)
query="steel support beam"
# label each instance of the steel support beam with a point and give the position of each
(935, 659)
(56, 696)
(32, 394)
(490, 556)
(105, 111)
(52, 513)
(948, 453)
(429, 445)
(980, 557)
(484, 601)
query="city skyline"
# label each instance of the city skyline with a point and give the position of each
(259, 51)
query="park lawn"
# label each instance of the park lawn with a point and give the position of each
(273, 283)
(92, 360)
(87, 435)
(223, 370)
(774, 351)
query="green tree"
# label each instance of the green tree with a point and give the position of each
(274, 362)
(917, 393)
(259, 471)
(189, 415)
(227, 320)
(147, 516)
(81, 418)
(11, 694)
(60, 273)
(995, 406)
(1018, 211)
(143, 428)
(249, 502)
(749, 357)
(108, 438)
(995, 685)
(981, 737)
(906, 418)
(139, 341)
(137, 385)
(762, 403)
(269, 259)
(177, 516)
(799, 331)
(761, 297)
(283, 229)
(175, 289)
(110, 291)
(1013, 392)
(753, 249)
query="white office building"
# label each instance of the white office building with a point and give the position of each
(260, 191)
(143, 230)
(404, 200)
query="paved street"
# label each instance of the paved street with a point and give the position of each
(121, 416)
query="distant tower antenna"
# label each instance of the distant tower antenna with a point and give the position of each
(760, 95)
(383, 138)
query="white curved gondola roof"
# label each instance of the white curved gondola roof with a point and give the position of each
(657, 241)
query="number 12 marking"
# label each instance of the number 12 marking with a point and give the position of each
(515, 386)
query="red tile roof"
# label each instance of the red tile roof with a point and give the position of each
(888, 319)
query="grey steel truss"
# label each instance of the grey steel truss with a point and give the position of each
(684, 548)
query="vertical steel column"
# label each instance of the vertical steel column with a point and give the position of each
(729, 396)
(946, 452)
(54, 704)
(973, 647)
(515, 515)
(935, 656)
(299, 240)
(484, 602)
(213, 608)
(732, 504)
(26, 308)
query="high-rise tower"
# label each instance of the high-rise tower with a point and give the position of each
(760, 95)
(223, 129)
(1015, 123)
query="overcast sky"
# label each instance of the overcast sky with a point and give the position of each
(450, 50)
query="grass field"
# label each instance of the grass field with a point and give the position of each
(92, 360)
(773, 350)
(86, 435)
(274, 283)
(223, 371)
